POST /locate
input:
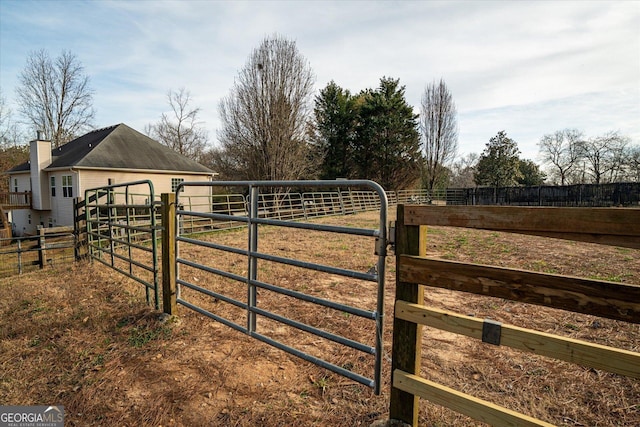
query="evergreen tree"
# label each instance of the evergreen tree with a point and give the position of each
(530, 173)
(387, 146)
(499, 162)
(335, 118)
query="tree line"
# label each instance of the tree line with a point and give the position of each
(274, 127)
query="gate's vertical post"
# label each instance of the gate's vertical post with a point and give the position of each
(407, 336)
(110, 220)
(76, 229)
(169, 304)
(253, 261)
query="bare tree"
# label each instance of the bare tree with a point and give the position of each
(439, 127)
(12, 152)
(54, 96)
(8, 129)
(604, 157)
(632, 162)
(561, 150)
(265, 117)
(463, 171)
(180, 130)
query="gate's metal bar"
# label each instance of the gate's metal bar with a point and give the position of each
(213, 316)
(134, 277)
(319, 301)
(109, 222)
(289, 224)
(128, 231)
(213, 294)
(154, 247)
(253, 260)
(316, 267)
(373, 383)
(259, 214)
(284, 291)
(316, 331)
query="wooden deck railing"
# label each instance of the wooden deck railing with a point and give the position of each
(13, 200)
(612, 226)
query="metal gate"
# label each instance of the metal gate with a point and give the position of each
(122, 231)
(229, 283)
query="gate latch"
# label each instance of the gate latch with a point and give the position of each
(491, 331)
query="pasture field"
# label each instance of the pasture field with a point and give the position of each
(81, 336)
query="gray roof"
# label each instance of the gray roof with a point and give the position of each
(118, 147)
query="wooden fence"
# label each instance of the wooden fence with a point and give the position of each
(611, 226)
(52, 246)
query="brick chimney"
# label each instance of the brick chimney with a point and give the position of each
(40, 158)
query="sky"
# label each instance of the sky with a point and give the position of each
(528, 68)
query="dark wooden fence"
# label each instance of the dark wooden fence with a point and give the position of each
(581, 195)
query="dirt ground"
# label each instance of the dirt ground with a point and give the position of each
(83, 337)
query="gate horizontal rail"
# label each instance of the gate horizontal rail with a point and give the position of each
(363, 195)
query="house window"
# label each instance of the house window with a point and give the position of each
(174, 183)
(15, 185)
(67, 189)
(53, 186)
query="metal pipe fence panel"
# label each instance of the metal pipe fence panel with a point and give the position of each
(122, 232)
(323, 203)
(266, 286)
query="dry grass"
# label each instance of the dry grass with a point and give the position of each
(82, 337)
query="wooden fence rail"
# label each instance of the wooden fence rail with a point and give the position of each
(51, 246)
(619, 227)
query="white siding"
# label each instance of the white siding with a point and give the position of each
(161, 184)
(61, 206)
(61, 213)
(26, 221)
(24, 182)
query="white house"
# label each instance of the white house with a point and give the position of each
(113, 155)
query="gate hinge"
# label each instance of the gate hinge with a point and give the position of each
(391, 235)
(390, 240)
(491, 331)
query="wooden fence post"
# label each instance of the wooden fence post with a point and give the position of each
(79, 228)
(407, 336)
(42, 245)
(168, 221)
